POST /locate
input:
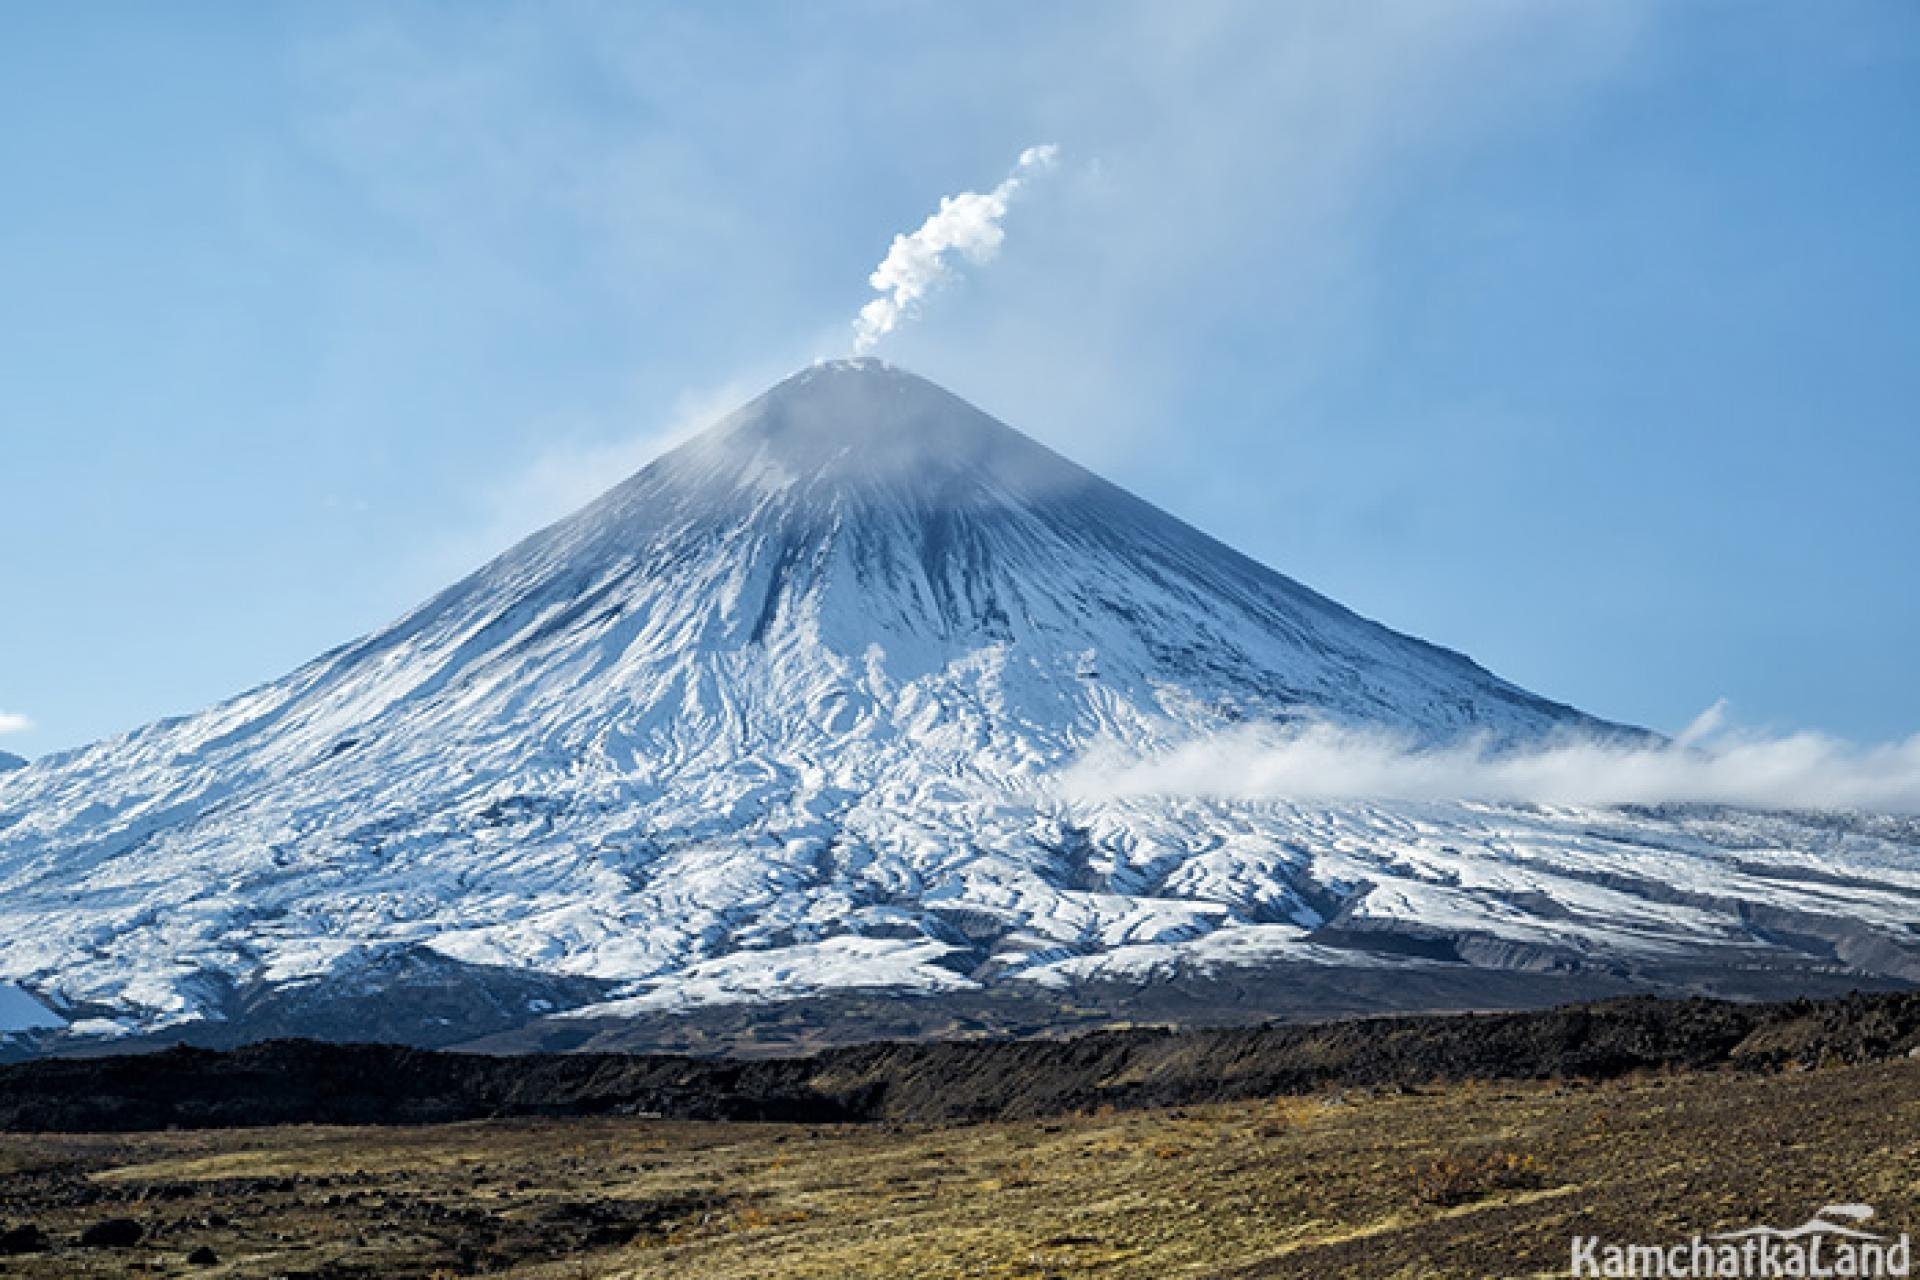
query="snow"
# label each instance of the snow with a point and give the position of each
(784, 713)
(835, 964)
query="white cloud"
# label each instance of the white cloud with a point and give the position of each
(967, 224)
(1703, 765)
(1704, 725)
(14, 722)
(573, 472)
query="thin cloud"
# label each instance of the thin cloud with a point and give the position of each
(566, 476)
(967, 225)
(1706, 765)
(14, 722)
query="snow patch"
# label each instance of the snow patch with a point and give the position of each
(786, 973)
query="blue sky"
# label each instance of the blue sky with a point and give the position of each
(1584, 338)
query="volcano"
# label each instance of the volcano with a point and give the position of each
(772, 724)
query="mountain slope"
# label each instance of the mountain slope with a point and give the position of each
(777, 716)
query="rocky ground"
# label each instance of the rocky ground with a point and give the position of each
(1470, 1179)
(303, 1082)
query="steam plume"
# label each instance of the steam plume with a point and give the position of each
(967, 224)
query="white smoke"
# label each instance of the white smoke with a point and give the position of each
(967, 224)
(1705, 764)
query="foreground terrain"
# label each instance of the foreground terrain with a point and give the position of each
(308, 1082)
(1470, 1179)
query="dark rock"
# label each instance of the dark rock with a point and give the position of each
(113, 1233)
(25, 1238)
(203, 1257)
(305, 1082)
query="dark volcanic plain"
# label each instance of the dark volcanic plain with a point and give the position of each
(1394, 1147)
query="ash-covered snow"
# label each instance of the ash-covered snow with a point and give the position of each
(780, 714)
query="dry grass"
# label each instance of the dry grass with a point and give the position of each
(1490, 1180)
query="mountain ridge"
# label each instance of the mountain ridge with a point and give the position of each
(777, 717)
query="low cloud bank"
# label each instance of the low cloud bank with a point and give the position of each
(1707, 764)
(967, 224)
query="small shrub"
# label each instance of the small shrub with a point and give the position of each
(1457, 1179)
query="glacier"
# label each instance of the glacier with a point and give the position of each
(784, 715)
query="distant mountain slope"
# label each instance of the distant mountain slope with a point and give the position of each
(777, 717)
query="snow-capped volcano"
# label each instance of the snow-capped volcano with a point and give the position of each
(857, 530)
(776, 715)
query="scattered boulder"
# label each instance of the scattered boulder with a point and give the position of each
(203, 1256)
(25, 1238)
(113, 1233)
